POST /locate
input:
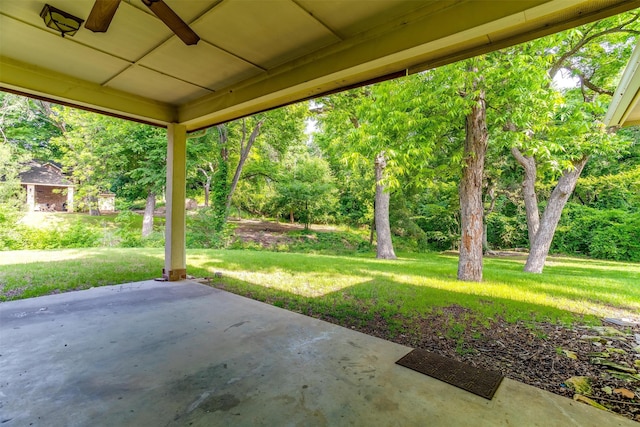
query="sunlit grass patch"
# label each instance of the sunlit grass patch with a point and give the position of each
(415, 284)
(25, 274)
(33, 256)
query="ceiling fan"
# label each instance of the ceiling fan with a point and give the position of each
(103, 11)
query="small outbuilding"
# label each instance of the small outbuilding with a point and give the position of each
(107, 202)
(47, 188)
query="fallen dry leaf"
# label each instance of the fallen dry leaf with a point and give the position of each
(584, 399)
(626, 393)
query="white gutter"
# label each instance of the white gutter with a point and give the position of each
(627, 94)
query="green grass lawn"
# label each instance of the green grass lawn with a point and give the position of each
(26, 274)
(352, 289)
(65, 219)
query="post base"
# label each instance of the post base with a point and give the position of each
(174, 275)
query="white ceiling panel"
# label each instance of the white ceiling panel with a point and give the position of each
(29, 10)
(47, 49)
(350, 17)
(134, 30)
(202, 64)
(144, 82)
(266, 33)
(132, 34)
(187, 10)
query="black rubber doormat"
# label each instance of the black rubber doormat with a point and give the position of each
(475, 380)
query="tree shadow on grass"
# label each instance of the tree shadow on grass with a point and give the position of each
(429, 277)
(398, 304)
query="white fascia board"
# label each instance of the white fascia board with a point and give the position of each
(627, 94)
(31, 80)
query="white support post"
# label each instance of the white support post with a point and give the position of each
(31, 197)
(175, 253)
(69, 199)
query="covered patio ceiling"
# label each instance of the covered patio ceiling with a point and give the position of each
(257, 55)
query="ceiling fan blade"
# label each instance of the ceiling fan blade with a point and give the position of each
(173, 21)
(101, 15)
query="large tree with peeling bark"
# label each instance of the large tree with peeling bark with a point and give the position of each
(479, 97)
(508, 99)
(347, 133)
(593, 55)
(143, 165)
(384, 248)
(471, 206)
(563, 157)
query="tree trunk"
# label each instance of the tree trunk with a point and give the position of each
(471, 209)
(208, 176)
(485, 238)
(372, 227)
(149, 208)
(219, 184)
(529, 192)
(291, 219)
(207, 191)
(94, 209)
(542, 241)
(491, 192)
(381, 212)
(245, 148)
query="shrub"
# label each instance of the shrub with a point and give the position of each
(76, 235)
(620, 242)
(206, 229)
(353, 209)
(129, 235)
(441, 227)
(600, 233)
(79, 235)
(504, 232)
(327, 241)
(153, 240)
(10, 237)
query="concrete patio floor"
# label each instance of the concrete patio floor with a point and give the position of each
(184, 354)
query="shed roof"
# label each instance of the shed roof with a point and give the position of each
(44, 173)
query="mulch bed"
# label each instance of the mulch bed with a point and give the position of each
(265, 233)
(530, 353)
